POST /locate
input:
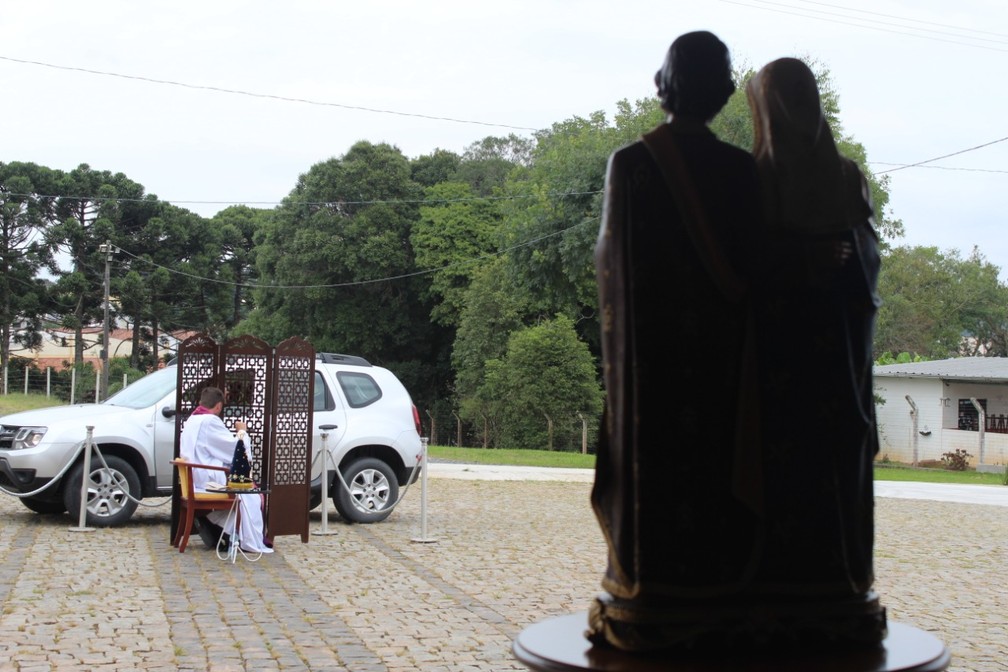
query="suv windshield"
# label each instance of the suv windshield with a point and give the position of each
(146, 391)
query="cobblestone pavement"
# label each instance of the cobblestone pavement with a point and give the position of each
(499, 556)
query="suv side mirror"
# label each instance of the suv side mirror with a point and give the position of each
(168, 412)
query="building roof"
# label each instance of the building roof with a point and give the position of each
(978, 369)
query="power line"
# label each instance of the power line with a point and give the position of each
(904, 18)
(361, 283)
(858, 22)
(469, 199)
(269, 96)
(944, 156)
(908, 165)
(321, 204)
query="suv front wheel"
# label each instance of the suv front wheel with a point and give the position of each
(108, 495)
(374, 490)
(44, 506)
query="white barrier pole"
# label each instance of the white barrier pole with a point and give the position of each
(48, 381)
(73, 384)
(423, 538)
(325, 479)
(85, 480)
(97, 388)
(26, 380)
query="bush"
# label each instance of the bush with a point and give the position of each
(957, 460)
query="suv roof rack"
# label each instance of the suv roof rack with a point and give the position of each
(337, 358)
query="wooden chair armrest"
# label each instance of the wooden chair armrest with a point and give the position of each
(197, 465)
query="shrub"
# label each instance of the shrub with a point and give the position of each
(956, 460)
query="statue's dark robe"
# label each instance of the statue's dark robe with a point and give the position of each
(815, 320)
(672, 492)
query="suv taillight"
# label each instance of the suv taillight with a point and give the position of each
(416, 420)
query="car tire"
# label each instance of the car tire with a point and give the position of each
(373, 491)
(107, 502)
(44, 506)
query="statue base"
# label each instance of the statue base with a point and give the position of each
(738, 624)
(560, 644)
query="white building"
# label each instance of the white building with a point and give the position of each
(933, 408)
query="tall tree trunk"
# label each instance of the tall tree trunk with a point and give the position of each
(154, 342)
(79, 333)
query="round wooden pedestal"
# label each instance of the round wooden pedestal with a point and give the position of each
(559, 645)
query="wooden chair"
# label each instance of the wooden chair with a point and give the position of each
(196, 502)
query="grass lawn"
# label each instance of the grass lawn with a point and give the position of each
(525, 458)
(12, 403)
(904, 473)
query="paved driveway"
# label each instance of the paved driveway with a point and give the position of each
(505, 554)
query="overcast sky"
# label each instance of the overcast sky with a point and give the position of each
(917, 80)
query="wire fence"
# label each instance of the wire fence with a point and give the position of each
(72, 385)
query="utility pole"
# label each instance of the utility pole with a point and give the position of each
(106, 249)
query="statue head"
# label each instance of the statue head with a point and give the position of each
(696, 79)
(788, 117)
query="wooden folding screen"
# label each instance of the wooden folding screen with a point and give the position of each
(270, 389)
(289, 457)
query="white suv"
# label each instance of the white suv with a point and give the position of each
(372, 427)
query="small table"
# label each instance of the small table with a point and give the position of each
(559, 645)
(234, 517)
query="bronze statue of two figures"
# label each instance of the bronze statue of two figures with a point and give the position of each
(738, 296)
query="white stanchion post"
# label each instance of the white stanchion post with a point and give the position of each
(423, 538)
(85, 480)
(325, 479)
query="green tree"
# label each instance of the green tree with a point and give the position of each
(491, 311)
(487, 164)
(552, 219)
(92, 207)
(26, 209)
(336, 266)
(453, 236)
(180, 271)
(237, 226)
(937, 304)
(434, 168)
(981, 301)
(542, 386)
(913, 283)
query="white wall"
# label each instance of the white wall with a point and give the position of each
(937, 419)
(896, 435)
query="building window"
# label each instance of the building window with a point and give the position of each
(969, 419)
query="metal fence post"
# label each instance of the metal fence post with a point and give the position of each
(423, 538)
(85, 480)
(325, 479)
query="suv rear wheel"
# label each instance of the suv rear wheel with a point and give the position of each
(373, 491)
(107, 500)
